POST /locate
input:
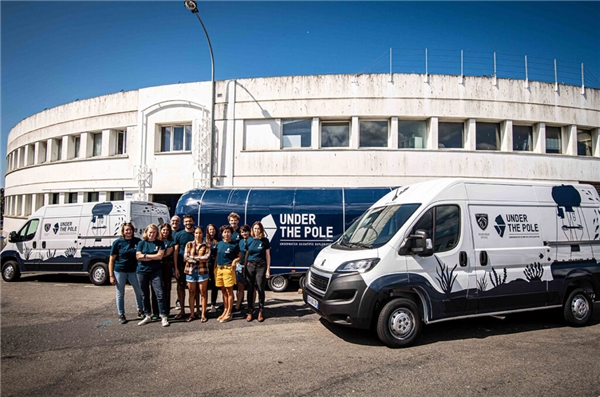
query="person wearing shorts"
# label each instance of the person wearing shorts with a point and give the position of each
(228, 255)
(196, 272)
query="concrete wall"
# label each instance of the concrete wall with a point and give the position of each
(248, 135)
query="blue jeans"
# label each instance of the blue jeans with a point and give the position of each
(154, 278)
(122, 278)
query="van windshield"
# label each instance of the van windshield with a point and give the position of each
(377, 226)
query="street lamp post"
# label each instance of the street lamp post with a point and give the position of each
(192, 6)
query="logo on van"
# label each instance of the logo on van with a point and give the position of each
(482, 220)
(47, 227)
(500, 225)
(55, 228)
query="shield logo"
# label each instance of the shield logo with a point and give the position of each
(482, 220)
(46, 227)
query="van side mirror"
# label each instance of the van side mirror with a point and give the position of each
(12, 237)
(419, 243)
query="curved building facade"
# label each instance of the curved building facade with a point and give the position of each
(311, 131)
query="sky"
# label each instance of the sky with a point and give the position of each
(52, 53)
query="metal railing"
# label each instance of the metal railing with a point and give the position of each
(487, 64)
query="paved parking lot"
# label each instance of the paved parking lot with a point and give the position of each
(60, 336)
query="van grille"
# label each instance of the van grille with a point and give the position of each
(318, 282)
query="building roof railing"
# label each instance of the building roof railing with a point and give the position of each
(488, 64)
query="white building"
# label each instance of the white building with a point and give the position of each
(333, 130)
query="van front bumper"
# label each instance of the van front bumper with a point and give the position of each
(347, 299)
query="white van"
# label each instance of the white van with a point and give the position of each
(456, 248)
(75, 238)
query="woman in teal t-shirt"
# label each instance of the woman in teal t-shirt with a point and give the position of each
(150, 252)
(258, 268)
(121, 267)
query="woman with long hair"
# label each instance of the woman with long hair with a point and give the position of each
(212, 239)
(258, 269)
(196, 270)
(165, 234)
(150, 252)
(121, 267)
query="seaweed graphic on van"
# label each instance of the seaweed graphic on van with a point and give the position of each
(497, 279)
(27, 253)
(70, 252)
(534, 272)
(446, 277)
(596, 223)
(482, 284)
(49, 255)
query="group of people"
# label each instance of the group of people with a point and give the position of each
(240, 258)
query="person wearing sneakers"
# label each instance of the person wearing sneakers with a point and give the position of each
(196, 270)
(181, 238)
(121, 267)
(258, 269)
(175, 222)
(240, 271)
(228, 255)
(165, 235)
(212, 239)
(150, 252)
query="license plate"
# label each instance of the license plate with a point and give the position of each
(312, 301)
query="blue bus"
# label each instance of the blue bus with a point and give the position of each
(298, 221)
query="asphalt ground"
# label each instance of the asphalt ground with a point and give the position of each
(60, 337)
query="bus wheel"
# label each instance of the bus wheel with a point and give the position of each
(399, 323)
(99, 273)
(10, 271)
(278, 283)
(578, 308)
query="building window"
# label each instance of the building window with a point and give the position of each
(116, 196)
(553, 141)
(121, 142)
(584, 143)
(91, 197)
(54, 198)
(58, 149)
(296, 133)
(175, 138)
(450, 135)
(96, 145)
(72, 198)
(487, 136)
(76, 146)
(373, 133)
(522, 138)
(412, 134)
(335, 134)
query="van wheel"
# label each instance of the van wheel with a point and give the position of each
(278, 283)
(578, 308)
(99, 273)
(399, 323)
(10, 271)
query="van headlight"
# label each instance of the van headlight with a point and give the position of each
(360, 266)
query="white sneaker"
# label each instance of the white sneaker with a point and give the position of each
(146, 320)
(165, 321)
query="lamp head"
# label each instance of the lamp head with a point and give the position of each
(191, 5)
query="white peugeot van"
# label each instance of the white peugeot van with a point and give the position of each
(75, 238)
(456, 248)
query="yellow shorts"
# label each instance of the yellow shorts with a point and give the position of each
(224, 276)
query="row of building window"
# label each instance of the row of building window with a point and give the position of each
(26, 204)
(67, 148)
(173, 138)
(413, 134)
